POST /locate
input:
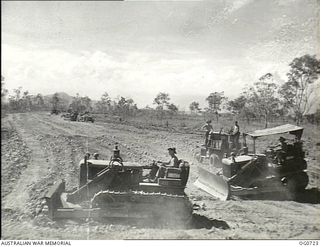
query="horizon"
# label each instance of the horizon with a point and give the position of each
(138, 49)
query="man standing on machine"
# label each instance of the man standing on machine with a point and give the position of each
(208, 127)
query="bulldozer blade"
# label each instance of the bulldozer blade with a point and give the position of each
(213, 184)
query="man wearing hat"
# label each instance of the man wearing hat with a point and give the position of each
(283, 143)
(208, 127)
(160, 170)
(236, 134)
(96, 156)
(282, 149)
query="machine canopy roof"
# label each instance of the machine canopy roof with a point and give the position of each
(286, 128)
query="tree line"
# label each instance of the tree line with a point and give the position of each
(266, 99)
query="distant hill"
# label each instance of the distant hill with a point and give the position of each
(65, 98)
(62, 95)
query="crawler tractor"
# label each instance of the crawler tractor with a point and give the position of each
(274, 171)
(85, 118)
(72, 116)
(118, 189)
(219, 145)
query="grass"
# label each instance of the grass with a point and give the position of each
(195, 122)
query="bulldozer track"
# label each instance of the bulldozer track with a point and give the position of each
(138, 196)
(142, 194)
(161, 207)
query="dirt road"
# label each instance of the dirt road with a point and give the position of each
(38, 149)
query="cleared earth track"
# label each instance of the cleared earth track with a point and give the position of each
(56, 146)
(36, 170)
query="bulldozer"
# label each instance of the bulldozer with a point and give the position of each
(70, 115)
(85, 117)
(54, 112)
(114, 188)
(252, 174)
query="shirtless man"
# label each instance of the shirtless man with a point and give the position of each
(159, 170)
(208, 127)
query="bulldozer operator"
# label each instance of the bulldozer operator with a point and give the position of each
(281, 150)
(236, 134)
(208, 127)
(159, 168)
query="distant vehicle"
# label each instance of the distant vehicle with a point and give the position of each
(85, 118)
(55, 112)
(71, 116)
(65, 115)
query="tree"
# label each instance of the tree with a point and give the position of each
(15, 100)
(4, 91)
(26, 103)
(125, 107)
(240, 106)
(173, 108)
(262, 97)
(194, 107)
(17, 92)
(215, 101)
(85, 104)
(75, 105)
(80, 104)
(121, 106)
(104, 104)
(39, 101)
(55, 100)
(298, 91)
(162, 100)
(236, 105)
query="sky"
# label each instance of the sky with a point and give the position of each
(137, 49)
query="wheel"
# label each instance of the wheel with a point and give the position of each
(214, 161)
(197, 156)
(297, 182)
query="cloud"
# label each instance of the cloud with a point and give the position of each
(139, 75)
(128, 74)
(93, 72)
(229, 45)
(237, 4)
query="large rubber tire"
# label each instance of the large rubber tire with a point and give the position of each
(297, 182)
(215, 161)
